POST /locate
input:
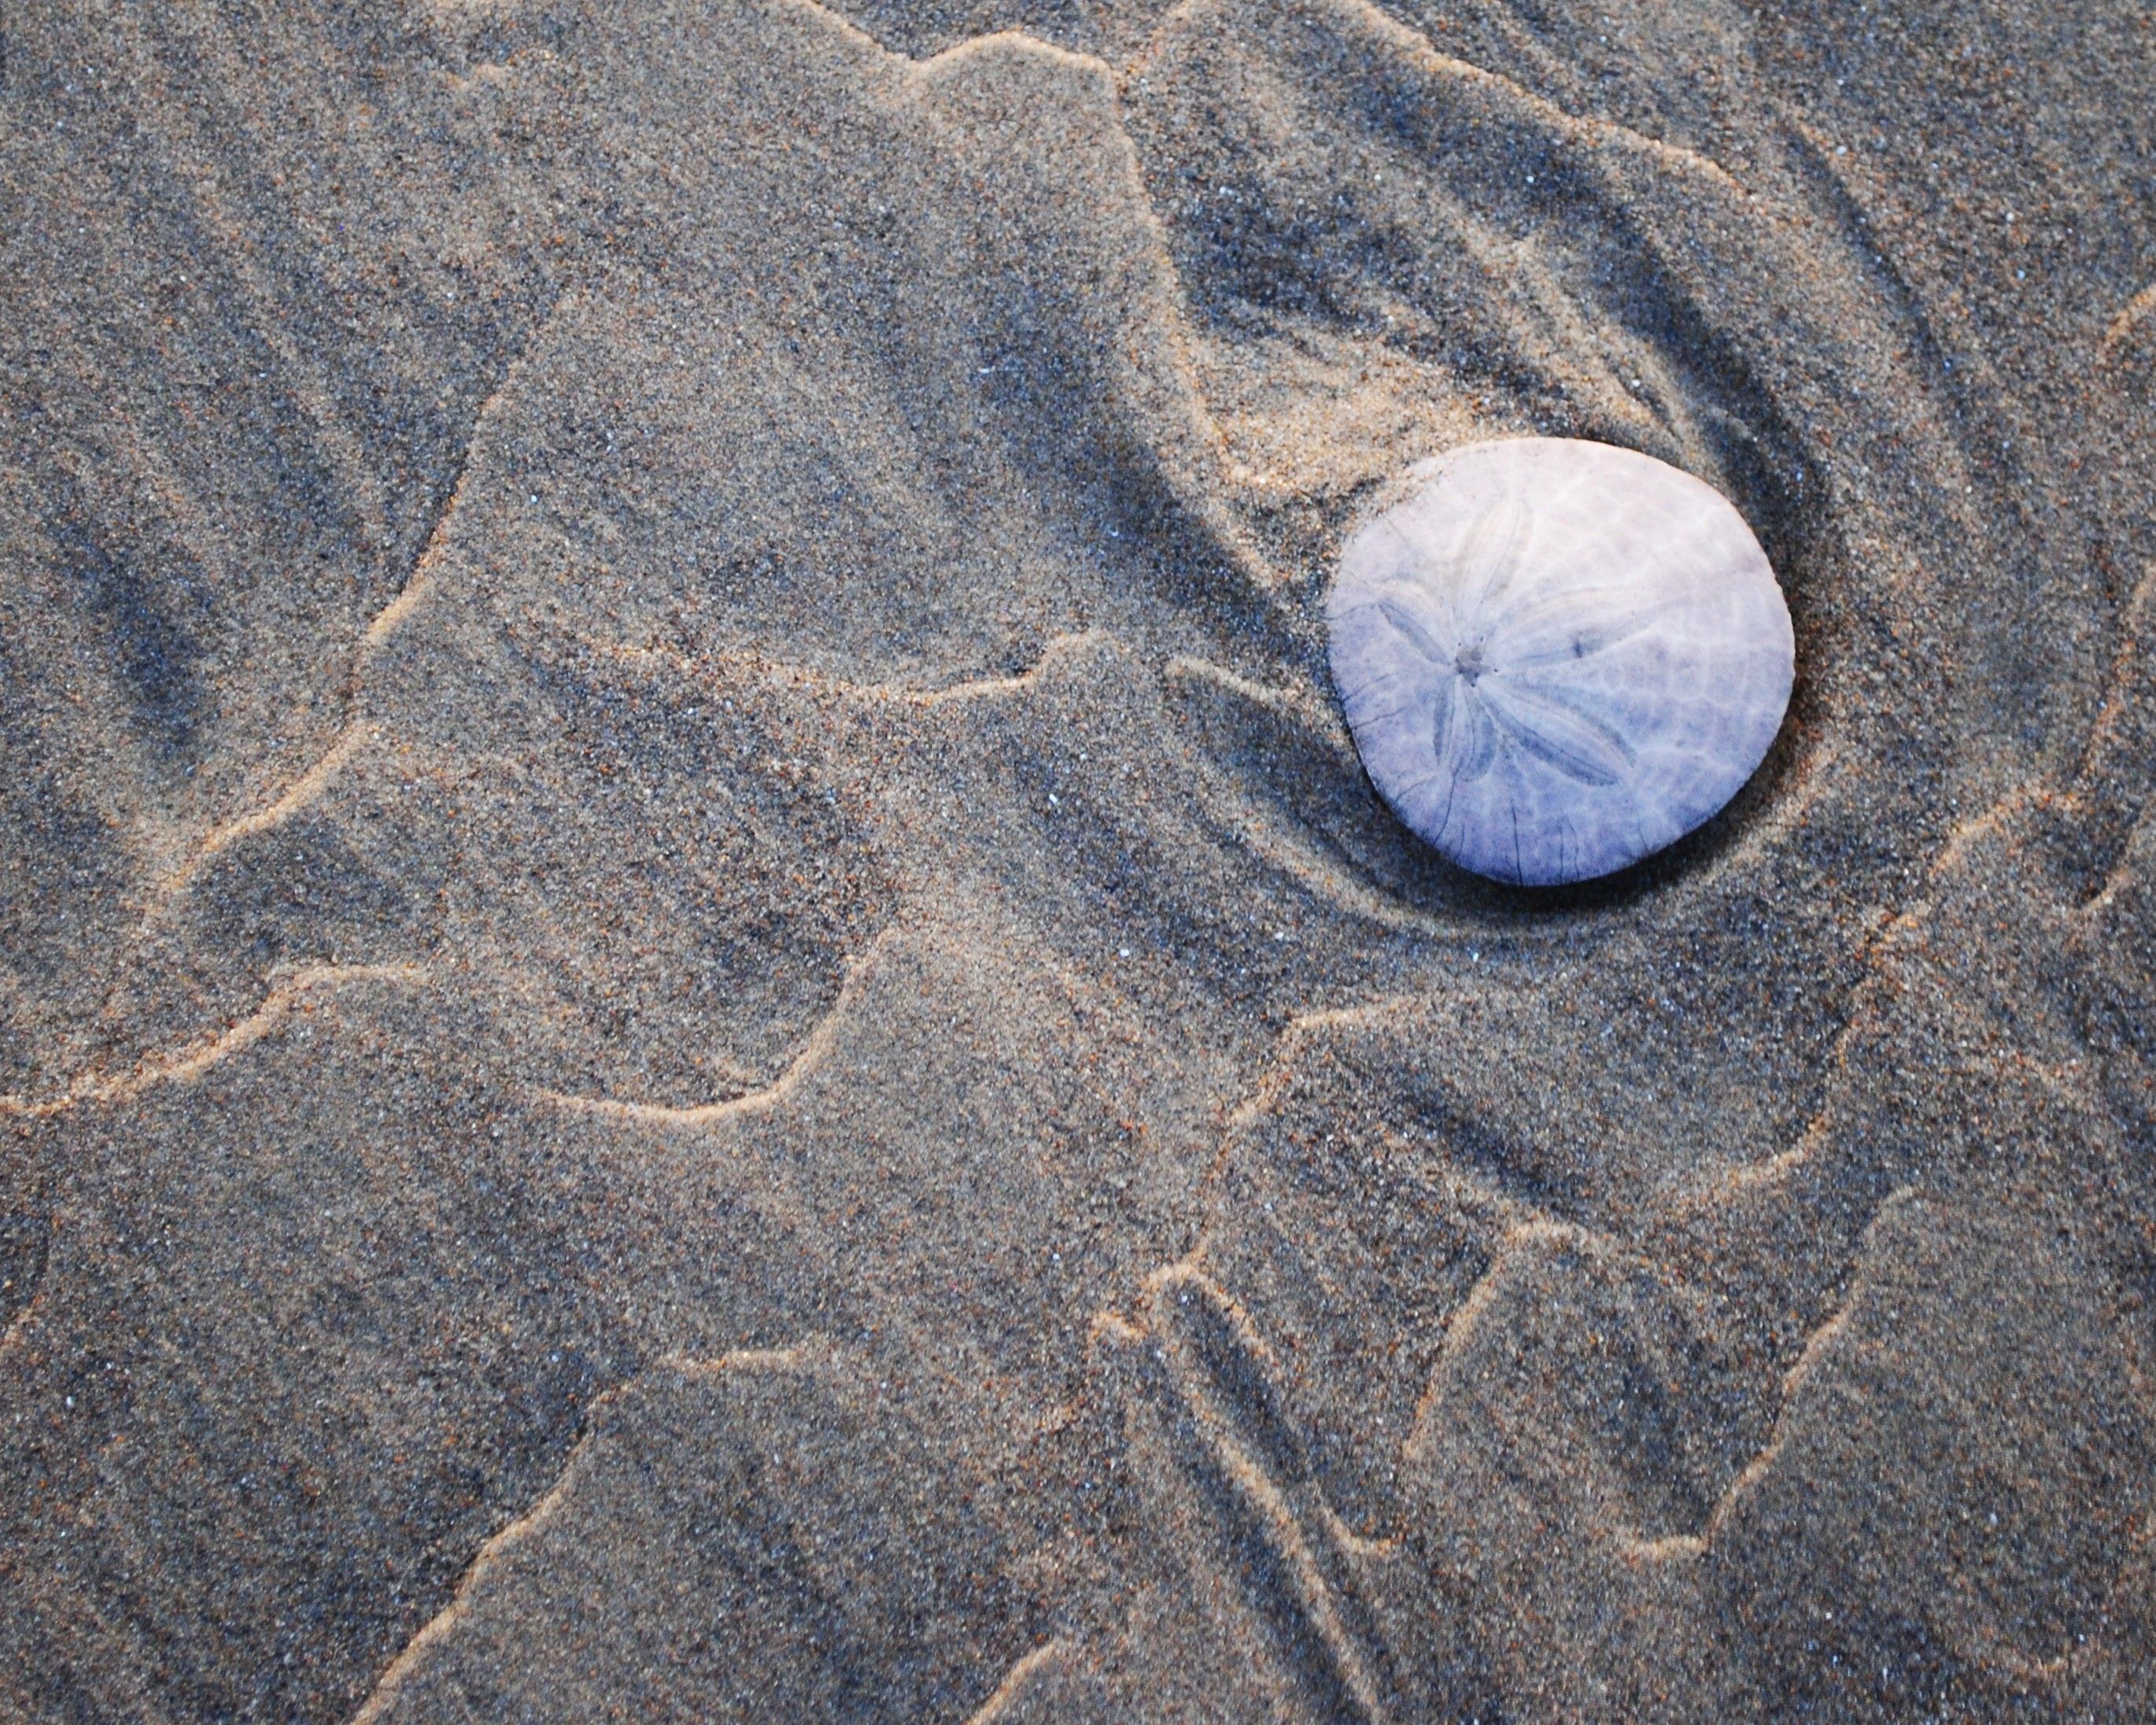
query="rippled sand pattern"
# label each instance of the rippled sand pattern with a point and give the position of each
(702, 1015)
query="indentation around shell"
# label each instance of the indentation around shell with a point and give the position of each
(1558, 656)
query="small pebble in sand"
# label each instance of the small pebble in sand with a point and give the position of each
(1558, 656)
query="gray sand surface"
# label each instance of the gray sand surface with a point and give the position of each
(702, 1017)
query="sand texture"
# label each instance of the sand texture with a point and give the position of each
(702, 1017)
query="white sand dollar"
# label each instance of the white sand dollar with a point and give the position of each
(1558, 656)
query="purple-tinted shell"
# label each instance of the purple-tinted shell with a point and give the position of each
(1558, 656)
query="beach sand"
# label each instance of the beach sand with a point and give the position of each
(702, 1015)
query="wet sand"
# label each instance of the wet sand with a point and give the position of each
(702, 1016)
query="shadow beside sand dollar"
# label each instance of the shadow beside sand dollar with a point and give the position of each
(1557, 656)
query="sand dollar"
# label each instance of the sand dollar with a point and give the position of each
(1558, 656)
